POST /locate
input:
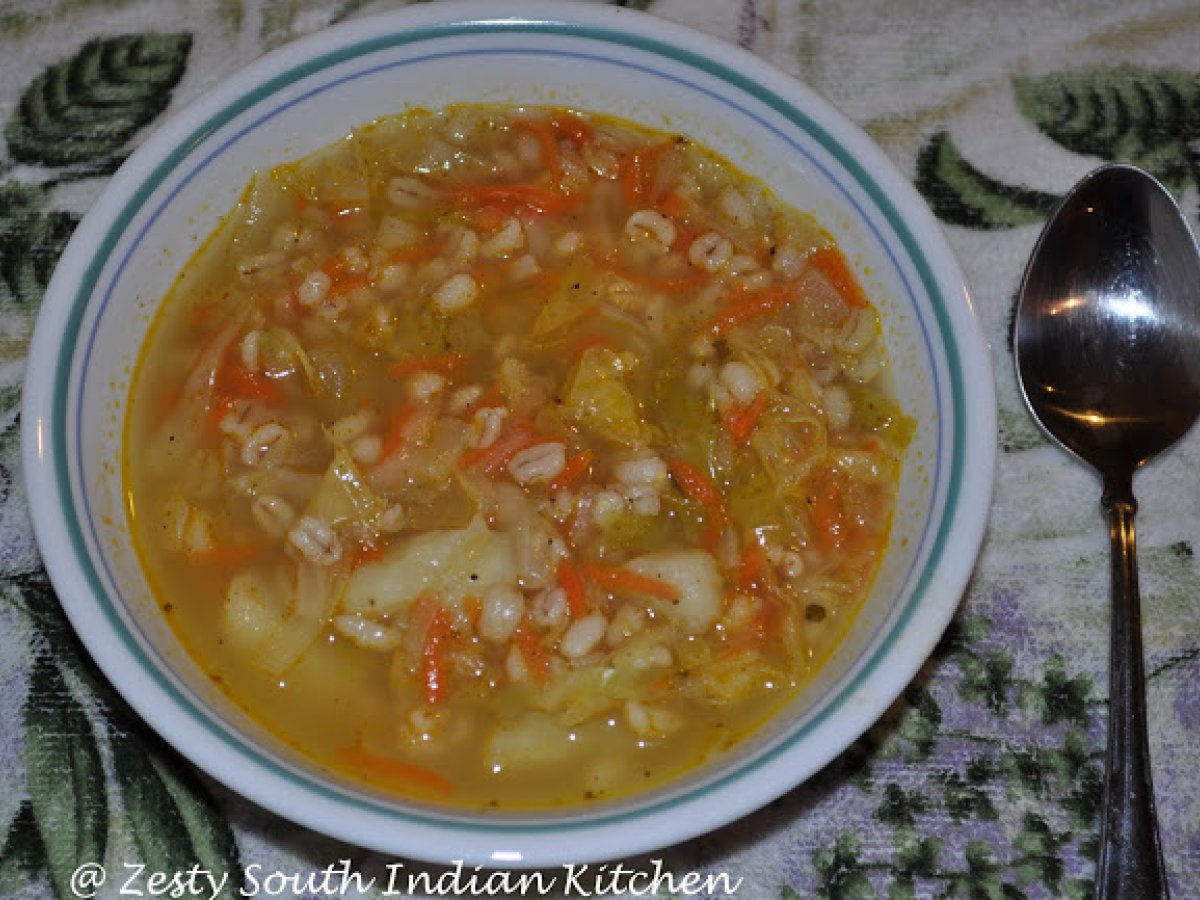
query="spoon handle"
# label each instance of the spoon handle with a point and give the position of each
(1131, 863)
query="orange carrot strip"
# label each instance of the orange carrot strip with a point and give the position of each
(828, 517)
(229, 554)
(367, 552)
(753, 569)
(393, 438)
(536, 656)
(696, 485)
(572, 127)
(514, 197)
(492, 460)
(831, 262)
(576, 467)
(740, 421)
(241, 382)
(447, 363)
(748, 307)
(614, 578)
(395, 769)
(341, 279)
(473, 606)
(571, 582)
(433, 658)
(636, 172)
(675, 205)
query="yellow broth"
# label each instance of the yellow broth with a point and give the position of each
(512, 457)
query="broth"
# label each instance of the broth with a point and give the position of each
(513, 457)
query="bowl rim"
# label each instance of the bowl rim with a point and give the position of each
(548, 839)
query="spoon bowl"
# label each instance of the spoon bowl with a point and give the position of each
(1107, 347)
(1108, 328)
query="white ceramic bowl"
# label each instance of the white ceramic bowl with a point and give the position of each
(174, 190)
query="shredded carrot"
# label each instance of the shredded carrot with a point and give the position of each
(753, 569)
(393, 438)
(447, 364)
(493, 396)
(572, 127)
(765, 623)
(492, 460)
(536, 656)
(513, 198)
(696, 485)
(341, 279)
(831, 262)
(615, 578)
(367, 552)
(576, 467)
(740, 421)
(433, 658)
(675, 205)
(571, 582)
(240, 382)
(637, 170)
(472, 605)
(229, 554)
(748, 307)
(395, 769)
(835, 530)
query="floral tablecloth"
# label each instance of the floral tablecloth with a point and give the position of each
(984, 781)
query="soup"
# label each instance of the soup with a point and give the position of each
(512, 457)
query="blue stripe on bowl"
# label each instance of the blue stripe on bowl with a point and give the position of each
(934, 543)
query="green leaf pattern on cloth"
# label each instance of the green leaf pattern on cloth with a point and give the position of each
(31, 238)
(85, 109)
(175, 824)
(983, 780)
(1148, 117)
(67, 788)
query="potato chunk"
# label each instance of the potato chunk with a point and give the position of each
(452, 563)
(697, 578)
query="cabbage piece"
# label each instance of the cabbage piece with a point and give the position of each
(533, 739)
(453, 564)
(878, 413)
(580, 694)
(275, 625)
(576, 295)
(598, 398)
(343, 498)
(281, 353)
(697, 578)
(790, 446)
(731, 678)
(253, 611)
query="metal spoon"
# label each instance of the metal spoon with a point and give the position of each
(1108, 356)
